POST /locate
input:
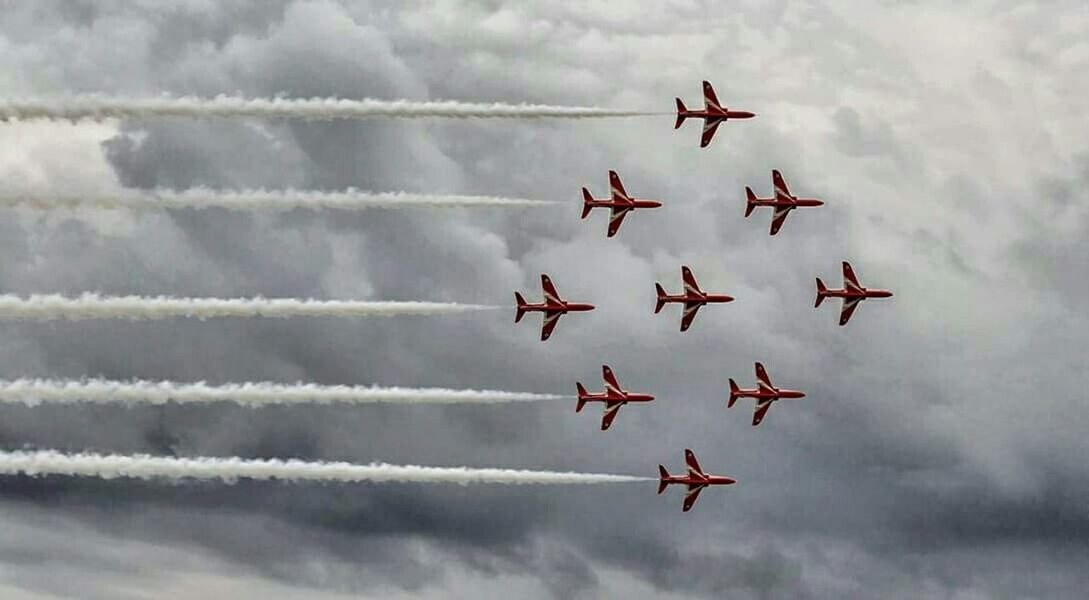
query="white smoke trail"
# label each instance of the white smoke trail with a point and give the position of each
(98, 391)
(198, 198)
(92, 306)
(229, 470)
(96, 106)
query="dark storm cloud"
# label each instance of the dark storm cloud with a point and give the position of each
(907, 463)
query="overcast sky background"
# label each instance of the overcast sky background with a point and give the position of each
(939, 453)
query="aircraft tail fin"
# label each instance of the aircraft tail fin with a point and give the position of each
(587, 202)
(582, 397)
(680, 114)
(661, 298)
(521, 307)
(663, 476)
(735, 392)
(750, 201)
(822, 293)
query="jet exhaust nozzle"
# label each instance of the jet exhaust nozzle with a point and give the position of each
(587, 202)
(582, 397)
(661, 298)
(521, 312)
(750, 201)
(822, 293)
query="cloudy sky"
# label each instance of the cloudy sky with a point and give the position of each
(939, 453)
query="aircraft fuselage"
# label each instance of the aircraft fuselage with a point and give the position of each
(690, 299)
(861, 294)
(566, 307)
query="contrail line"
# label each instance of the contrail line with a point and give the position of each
(98, 106)
(229, 470)
(245, 200)
(32, 392)
(92, 306)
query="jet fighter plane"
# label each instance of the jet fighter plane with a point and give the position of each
(765, 393)
(712, 114)
(852, 293)
(696, 480)
(553, 307)
(783, 201)
(620, 203)
(693, 298)
(613, 397)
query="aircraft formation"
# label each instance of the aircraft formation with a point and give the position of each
(692, 297)
(618, 203)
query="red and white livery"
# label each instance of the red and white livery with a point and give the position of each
(619, 202)
(693, 298)
(852, 293)
(782, 202)
(553, 307)
(613, 397)
(764, 393)
(696, 479)
(713, 114)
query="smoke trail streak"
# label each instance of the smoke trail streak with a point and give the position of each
(140, 308)
(199, 198)
(229, 470)
(96, 106)
(33, 392)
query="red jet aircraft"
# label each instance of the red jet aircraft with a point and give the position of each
(712, 114)
(693, 298)
(696, 480)
(783, 201)
(553, 307)
(620, 203)
(765, 393)
(852, 293)
(613, 397)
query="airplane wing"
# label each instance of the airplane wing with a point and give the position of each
(611, 384)
(761, 410)
(710, 126)
(709, 98)
(762, 375)
(617, 187)
(693, 464)
(780, 217)
(849, 279)
(781, 190)
(549, 323)
(690, 284)
(611, 410)
(550, 294)
(691, 497)
(689, 315)
(849, 306)
(616, 218)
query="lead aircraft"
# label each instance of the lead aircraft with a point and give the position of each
(852, 293)
(696, 479)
